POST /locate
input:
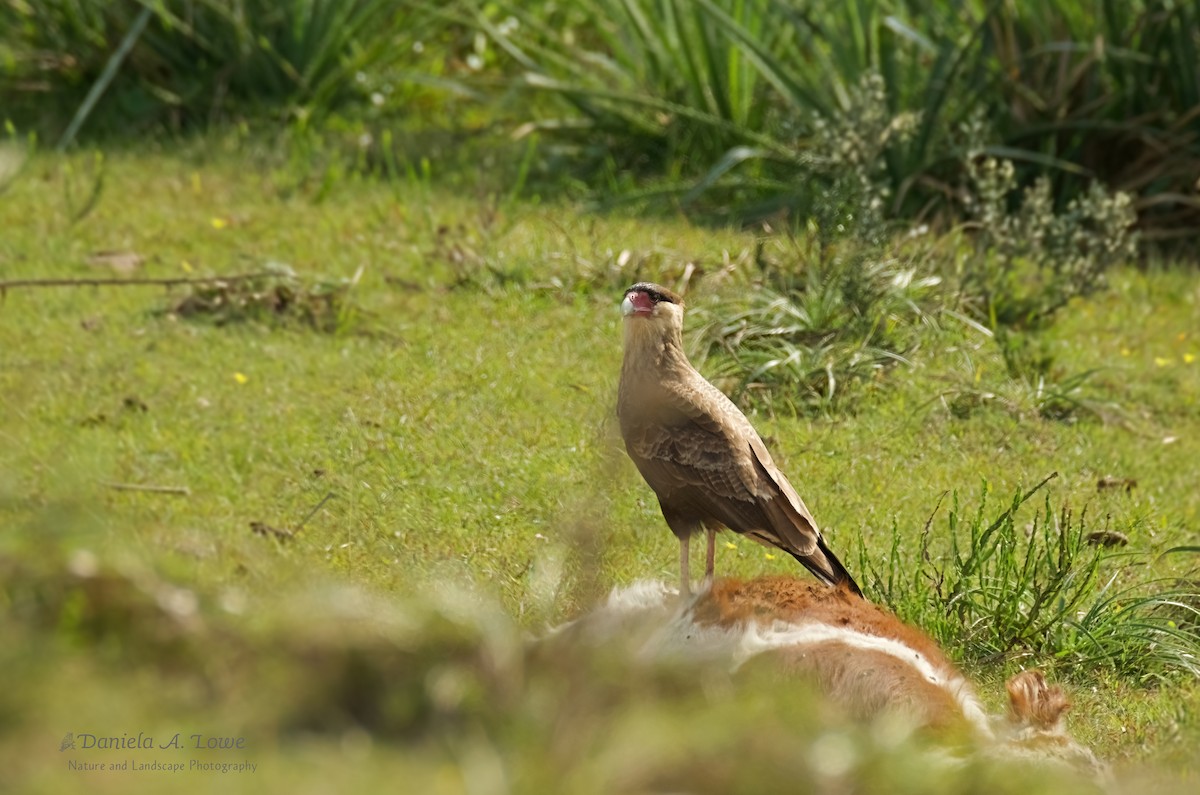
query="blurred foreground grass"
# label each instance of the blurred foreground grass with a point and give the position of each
(335, 688)
(460, 413)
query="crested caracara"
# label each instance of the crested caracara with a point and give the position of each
(695, 448)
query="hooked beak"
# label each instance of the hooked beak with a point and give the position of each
(636, 304)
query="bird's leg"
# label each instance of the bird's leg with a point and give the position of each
(685, 588)
(710, 558)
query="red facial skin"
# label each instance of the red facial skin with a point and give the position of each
(642, 305)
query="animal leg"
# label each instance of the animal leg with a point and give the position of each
(710, 557)
(683, 529)
(685, 588)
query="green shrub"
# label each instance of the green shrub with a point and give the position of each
(1031, 262)
(724, 103)
(998, 588)
(829, 317)
(197, 62)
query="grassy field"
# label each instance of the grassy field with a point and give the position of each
(456, 406)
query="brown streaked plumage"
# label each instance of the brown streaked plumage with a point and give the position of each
(698, 451)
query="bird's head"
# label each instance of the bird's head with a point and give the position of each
(649, 307)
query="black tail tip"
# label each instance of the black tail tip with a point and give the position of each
(829, 570)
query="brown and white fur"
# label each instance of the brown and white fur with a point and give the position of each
(857, 654)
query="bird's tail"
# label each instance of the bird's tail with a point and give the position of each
(827, 568)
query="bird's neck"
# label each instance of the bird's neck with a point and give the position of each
(649, 348)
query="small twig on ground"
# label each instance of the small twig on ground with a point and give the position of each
(313, 512)
(283, 533)
(162, 282)
(183, 491)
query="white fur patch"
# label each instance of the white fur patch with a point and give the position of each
(781, 635)
(641, 595)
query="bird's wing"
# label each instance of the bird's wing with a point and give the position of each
(682, 442)
(685, 454)
(789, 519)
(697, 450)
(793, 524)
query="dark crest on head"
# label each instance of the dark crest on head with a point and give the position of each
(657, 292)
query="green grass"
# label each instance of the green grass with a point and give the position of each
(461, 415)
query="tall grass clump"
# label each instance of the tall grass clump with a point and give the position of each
(196, 63)
(1112, 91)
(728, 101)
(1039, 588)
(722, 103)
(836, 306)
(828, 317)
(1026, 260)
(838, 303)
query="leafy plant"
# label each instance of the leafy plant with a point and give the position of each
(197, 62)
(828, 319)
(1033, 261)
(736, 101)
(723, 103)
(994, 588)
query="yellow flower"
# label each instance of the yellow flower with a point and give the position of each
(1188, 358)
(768, 556)
(730, 545)
(1159, 361)
(1126, 352)
(240, 378)
(219, 223)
